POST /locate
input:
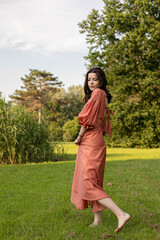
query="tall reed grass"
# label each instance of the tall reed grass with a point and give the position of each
(22, 139)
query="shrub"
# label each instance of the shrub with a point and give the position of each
(71, 129)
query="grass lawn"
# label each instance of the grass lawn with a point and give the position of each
(35, 199)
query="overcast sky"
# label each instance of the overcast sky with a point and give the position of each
(43, 35)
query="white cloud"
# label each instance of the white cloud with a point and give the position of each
(44, 26)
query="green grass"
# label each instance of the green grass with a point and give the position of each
(35, 199)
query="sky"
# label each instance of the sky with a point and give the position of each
(43, 35)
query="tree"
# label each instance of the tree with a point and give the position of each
(74, 102)
(34, 94)
(124, 40)
(62, 107)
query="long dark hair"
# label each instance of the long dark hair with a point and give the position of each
(103, 83)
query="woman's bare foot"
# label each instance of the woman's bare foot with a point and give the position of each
(95, 224)
(122, 220)
(97, 219)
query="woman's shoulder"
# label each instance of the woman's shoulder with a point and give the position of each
(101, 94)
(98, 91)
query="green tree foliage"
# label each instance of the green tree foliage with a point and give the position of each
(74, 102)
(71, 129)
(22, 139)
(63, 106)
(123, 39)
(34, 93)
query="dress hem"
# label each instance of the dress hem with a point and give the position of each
(102, 208)
(93, 210)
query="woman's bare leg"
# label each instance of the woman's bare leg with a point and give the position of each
(97, 219)
(122, 216)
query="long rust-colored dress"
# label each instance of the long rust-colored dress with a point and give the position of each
(87, 186)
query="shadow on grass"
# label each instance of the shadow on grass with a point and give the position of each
(116, 154)
(65, 157)
(72, 157)
(109, 158)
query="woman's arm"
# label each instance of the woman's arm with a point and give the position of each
(80, 135)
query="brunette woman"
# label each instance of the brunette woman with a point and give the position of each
(87, 186)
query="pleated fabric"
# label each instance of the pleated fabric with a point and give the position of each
(87, 186)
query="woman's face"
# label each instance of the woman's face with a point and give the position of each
(93, 82)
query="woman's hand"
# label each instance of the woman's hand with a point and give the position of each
(78, 140)
(80, 136)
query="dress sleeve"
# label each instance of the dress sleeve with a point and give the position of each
(88, 116)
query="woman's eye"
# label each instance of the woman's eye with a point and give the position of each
(93, 79)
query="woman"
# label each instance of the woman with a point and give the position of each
(87, 186)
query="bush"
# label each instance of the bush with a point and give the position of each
(139, 128)
(56, 131)
(71, 129)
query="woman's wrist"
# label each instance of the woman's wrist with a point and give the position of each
(79, 135)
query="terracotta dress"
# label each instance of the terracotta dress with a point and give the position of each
(87, 186)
